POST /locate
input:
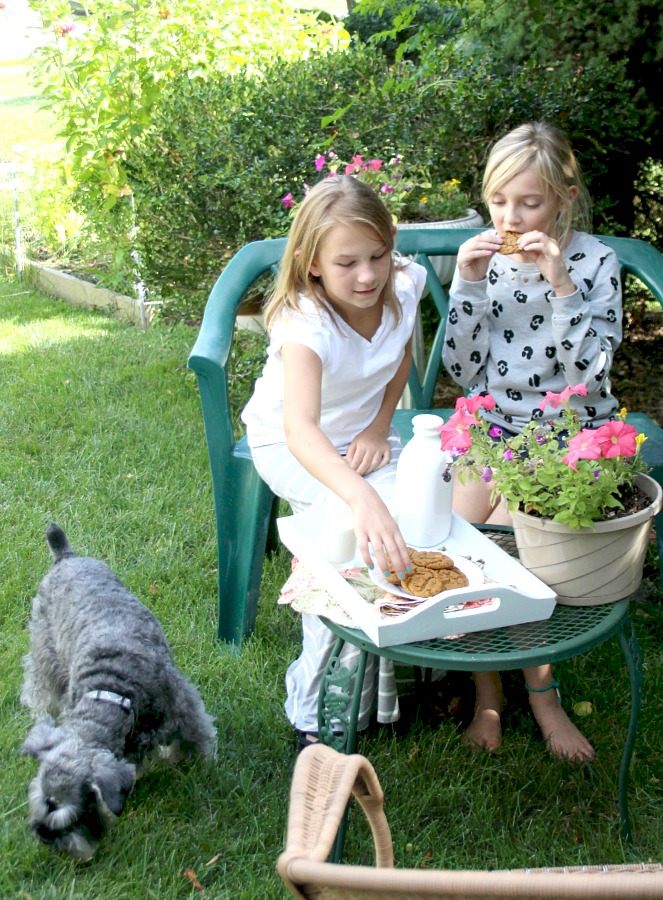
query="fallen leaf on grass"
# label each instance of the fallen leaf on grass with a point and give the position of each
(213, 860)
(584, 708)
(191, 876)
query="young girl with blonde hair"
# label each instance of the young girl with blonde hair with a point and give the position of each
(340, 323)
(543, 318)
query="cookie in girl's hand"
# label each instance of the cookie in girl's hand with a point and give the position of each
(510, 243)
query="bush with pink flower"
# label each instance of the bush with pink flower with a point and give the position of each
(554, 468)
(408, 192)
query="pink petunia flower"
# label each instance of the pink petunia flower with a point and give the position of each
(583, 446)
(617, 439)
(320, 163)
(455, 433)
(374, 165)
(288, 200)
(557, 400)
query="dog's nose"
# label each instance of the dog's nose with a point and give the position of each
(44, 833)
(51, 805)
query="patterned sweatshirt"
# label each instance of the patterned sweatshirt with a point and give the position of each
(509, 335)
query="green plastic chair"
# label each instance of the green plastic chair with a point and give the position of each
(245, 508)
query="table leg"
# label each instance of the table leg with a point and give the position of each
(633, 656)
(341, 687)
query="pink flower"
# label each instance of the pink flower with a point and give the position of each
(583, 446)
(557, 400)
(617, 439)
(487, 474)
(319, 163)
(455, 433)
(374, 165)
(356, 164)
(387, 189)
(479, 401)
(288, 200)
(64, 29)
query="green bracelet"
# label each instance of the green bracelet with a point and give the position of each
(553, 685)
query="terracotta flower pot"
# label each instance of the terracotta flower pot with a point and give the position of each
(586, 567)
(444, 265)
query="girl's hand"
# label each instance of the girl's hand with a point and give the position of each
(544, 252)
(369, 451)
(474, 255)
(374, 525)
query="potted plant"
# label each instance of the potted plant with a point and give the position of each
(580, 498)
(409, 193)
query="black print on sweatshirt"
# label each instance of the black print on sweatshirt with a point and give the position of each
(591, 411)
(567, 345)
(576, 320)
(527, 352)
(497, 309)
(502, 366)
(468, 309)
(535, 381)
(520, 297)
(550, 352)
(611, 316)
(577, 256)
(451, 344)
(536, 323)
(475, 356)
(582, 364)
(453, 317)
(514, 395)
(536, 413)
(477, 331)
(456, 370)
(492, 276)
(508, 336)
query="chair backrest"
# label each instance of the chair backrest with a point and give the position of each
(209, 357)
(325, 780)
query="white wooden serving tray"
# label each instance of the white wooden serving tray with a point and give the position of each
(517, 595)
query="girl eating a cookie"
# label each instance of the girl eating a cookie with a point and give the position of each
(535, 306)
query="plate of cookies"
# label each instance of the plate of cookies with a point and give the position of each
(434, 572)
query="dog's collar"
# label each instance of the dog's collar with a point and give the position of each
(111, 697)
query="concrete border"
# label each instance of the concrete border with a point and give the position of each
(83, 293)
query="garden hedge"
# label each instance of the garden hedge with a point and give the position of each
(221, 153)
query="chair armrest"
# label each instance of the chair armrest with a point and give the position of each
(322, 784)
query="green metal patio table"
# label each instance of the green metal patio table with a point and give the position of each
(570, 631)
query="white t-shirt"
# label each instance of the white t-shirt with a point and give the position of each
(355, 371)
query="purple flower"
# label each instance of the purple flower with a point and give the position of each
(319, 163)
(494, 431)
(508, 455)
(597, 474)
(288, 200)
(387, 189)
(487, 474)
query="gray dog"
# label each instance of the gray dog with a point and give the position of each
(99, 659)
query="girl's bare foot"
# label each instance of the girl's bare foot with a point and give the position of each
(560, 734)
(485, 729)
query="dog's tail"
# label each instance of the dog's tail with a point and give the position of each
(57, 542)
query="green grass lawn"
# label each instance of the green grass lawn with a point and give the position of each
(101, 431)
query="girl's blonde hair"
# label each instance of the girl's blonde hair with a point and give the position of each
(337, 200)
(548, 151)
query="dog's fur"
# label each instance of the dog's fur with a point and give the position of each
(89, 633)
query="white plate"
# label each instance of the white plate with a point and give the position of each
(472, 572)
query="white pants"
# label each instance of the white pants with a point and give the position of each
(290, 480)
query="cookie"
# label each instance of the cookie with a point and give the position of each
(430, 559)
(510, 243)
(423, 582)
(452, 579)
